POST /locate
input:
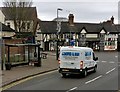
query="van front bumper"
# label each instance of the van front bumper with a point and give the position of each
(71, 71)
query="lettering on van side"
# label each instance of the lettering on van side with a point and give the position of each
(70, 54)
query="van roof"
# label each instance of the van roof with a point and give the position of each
(75, 47)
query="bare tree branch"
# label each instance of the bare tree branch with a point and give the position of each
(17, 10)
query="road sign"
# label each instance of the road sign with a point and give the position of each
(72, 42)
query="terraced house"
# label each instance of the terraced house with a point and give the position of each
(99, 36)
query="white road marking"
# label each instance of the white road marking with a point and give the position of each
(116, 56)
(93, 79)
(97, 61)
(72, 89)
(103, 61)
(110, 71)
(111, 62)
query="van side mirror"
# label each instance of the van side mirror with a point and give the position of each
(96, 58)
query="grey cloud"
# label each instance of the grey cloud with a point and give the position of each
(86, 11)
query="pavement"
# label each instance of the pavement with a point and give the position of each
(21, 72)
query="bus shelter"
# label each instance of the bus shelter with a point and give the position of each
(22, 54)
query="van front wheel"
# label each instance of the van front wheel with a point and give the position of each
(85, 73)
(63, 75)
(95, 68)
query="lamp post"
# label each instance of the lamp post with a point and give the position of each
(58, 30)
(1, 46)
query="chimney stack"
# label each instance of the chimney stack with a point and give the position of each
(112, 20)
(71, 20)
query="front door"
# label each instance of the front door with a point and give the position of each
(46, 46)
(90, 44)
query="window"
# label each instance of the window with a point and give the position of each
(113, 42)
(8, 24)
(105, 43)
(23, 25)
(61, 35)
(102, 35)
(83, 35)
(50, 36)
(28, 25)
(109, 39)
(66, 36)
(109, 43)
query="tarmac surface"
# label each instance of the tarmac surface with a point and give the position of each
(24, 71)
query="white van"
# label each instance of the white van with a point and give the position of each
(77, 60)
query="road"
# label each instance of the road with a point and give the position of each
(106, 78)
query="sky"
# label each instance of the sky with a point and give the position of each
(88, 11)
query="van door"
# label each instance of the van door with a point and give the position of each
(88, 59)
(93, 61)
(70, 59)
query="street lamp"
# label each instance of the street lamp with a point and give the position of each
(1, 44)
(58, 30)
(118, 42)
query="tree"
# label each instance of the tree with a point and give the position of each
(18, 11)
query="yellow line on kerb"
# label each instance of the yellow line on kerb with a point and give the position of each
(23, 80)
(15, 83)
